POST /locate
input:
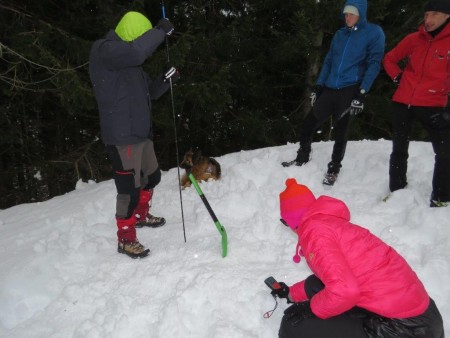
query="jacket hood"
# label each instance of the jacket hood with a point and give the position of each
(327, 205)
(132, 25)
(324, 205)
(362, 9)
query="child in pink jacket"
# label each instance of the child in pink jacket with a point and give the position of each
(361, 286)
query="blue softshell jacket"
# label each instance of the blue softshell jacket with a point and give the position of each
(355, 54)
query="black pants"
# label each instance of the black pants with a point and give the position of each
(342, 326)
(403, 118)
(331, 102)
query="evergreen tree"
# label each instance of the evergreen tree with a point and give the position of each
(247, 68)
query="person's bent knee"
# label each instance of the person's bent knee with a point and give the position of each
(153, 179)
(127, 193)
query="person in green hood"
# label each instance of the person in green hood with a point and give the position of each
(124, 92)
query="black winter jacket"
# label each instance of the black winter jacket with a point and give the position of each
(122, 89)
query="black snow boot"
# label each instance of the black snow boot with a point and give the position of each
(301, 159)
(332, 173)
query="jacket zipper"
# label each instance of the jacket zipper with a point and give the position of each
(430, 42)
(342, 59)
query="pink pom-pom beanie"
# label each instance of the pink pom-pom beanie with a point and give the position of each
(294, 201)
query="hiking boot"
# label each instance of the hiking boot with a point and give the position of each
(132, 249)
(301, 159)
(332, 173)
(437, 204)
(143, 208)
(330, 178)
(150, 221)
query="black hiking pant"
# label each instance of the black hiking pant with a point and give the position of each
(331, 102)
(403, 118)
(342, 326)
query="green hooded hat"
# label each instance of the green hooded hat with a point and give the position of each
(132, 25)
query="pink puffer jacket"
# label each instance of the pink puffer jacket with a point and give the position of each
(356, 267)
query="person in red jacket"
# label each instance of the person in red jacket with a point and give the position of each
(422, 94)
(361, 287)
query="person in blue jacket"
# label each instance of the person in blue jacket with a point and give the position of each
(124, 91)
(348, 72)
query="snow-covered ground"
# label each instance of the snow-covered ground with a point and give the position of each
(61, 275)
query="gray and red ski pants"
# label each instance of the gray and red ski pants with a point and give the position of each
(136, 172)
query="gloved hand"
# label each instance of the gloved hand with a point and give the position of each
(282, 292)
(440, 120)
(165, 25)
(315, 93)
(171, 74)
(298, 312)
(357, 105)
(397, 79)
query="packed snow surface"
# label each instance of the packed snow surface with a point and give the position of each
(61, 275)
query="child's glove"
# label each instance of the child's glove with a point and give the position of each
(282, 292)
(165, 25)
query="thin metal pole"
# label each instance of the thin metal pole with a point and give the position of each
(174, 125)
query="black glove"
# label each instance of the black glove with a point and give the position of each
(298, 312)
(171, 74)
(440, 120)
(282, 292)
(357, 105)
(397, 79)
(165, 25)
(315, 93)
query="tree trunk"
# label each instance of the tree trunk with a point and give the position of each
(313, 69)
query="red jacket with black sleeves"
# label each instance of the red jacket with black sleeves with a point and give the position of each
(426, 78)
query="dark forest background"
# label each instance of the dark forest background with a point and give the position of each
(247, 68)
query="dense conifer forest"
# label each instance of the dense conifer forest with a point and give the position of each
(247, 68)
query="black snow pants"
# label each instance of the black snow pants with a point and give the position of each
(402, 122)
(331, 102)
(346, 325)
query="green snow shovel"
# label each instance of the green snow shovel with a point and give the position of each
(213, 216)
